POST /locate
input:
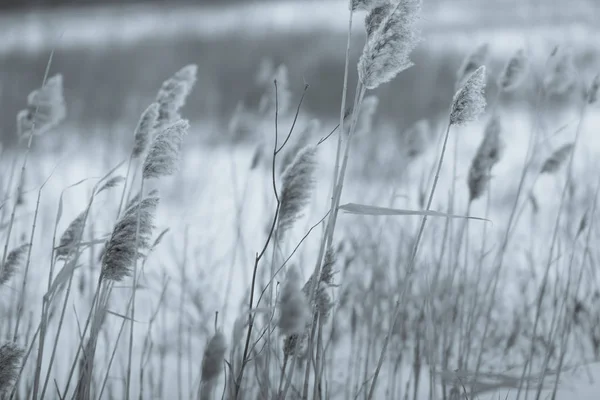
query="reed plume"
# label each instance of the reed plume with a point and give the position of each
(212, 364)
(121, 251)
(173, 94)
(393, 37)
(488, 154)
(46, 108)
(469, 102)
(144, 130)
(293, 307)
(13, 261)
(163, 155)
(557, 159)
(10, 359)
(71, 236)
(514, 73)
(477, 58)
(297, 186)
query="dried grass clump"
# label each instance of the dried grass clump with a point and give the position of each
(488, 154)
(123, 247)
(46, 108)
(557, 159)
(514, 73)
(163, 156)
(469, 102)
(10, 360)
(144, 130)
(392, 39)
(297, 186)
(14, 259)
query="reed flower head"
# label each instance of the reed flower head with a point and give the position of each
(471, 63)
(297, 145)
(45, 108)
(14, 259)
(72, 235)
(488, 154)
(214, 354)
(173, 94)
(469, 101)
(164, 151)
(293, 307)
(356, 5)
(10, 358)
(121, 252)
(515, 72)
(392, 39)
(560, 77)
(557, 159)
(297, 187)
(144, 130)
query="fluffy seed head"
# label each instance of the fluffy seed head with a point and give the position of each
(293, 307)
(374, 19)
(476, 59)
(45, 108)
(557, 159)
(10, 358)
(469, 101)
(488, 154)
(297, 145)
(392, 39)
(164, 151)
(144, 130)
(297, 187)
(121, 252)
(14, 259)
(212, 361)
(560, 78)
(173, 94)
(356, 5)
(515, 72)
(72, 235)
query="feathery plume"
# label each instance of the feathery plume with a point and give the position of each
(45, 108)
(111, 183)
(560, 78)
(386, 52)
(514, 72)
(378, 13)
(297, 186)
(299, 144)
(416, 138)
(471, 63)
(592, 93)
(356, 5)
(173, 94)
(557, 159)
(71, 236)
(293, 307)
(14, 259)
(214, 354)
(10, 358)
(488, 154)
(144, 130)
(469, 101)
(164, 151)
(121, 253)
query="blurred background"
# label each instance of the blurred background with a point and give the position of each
(114, 54)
